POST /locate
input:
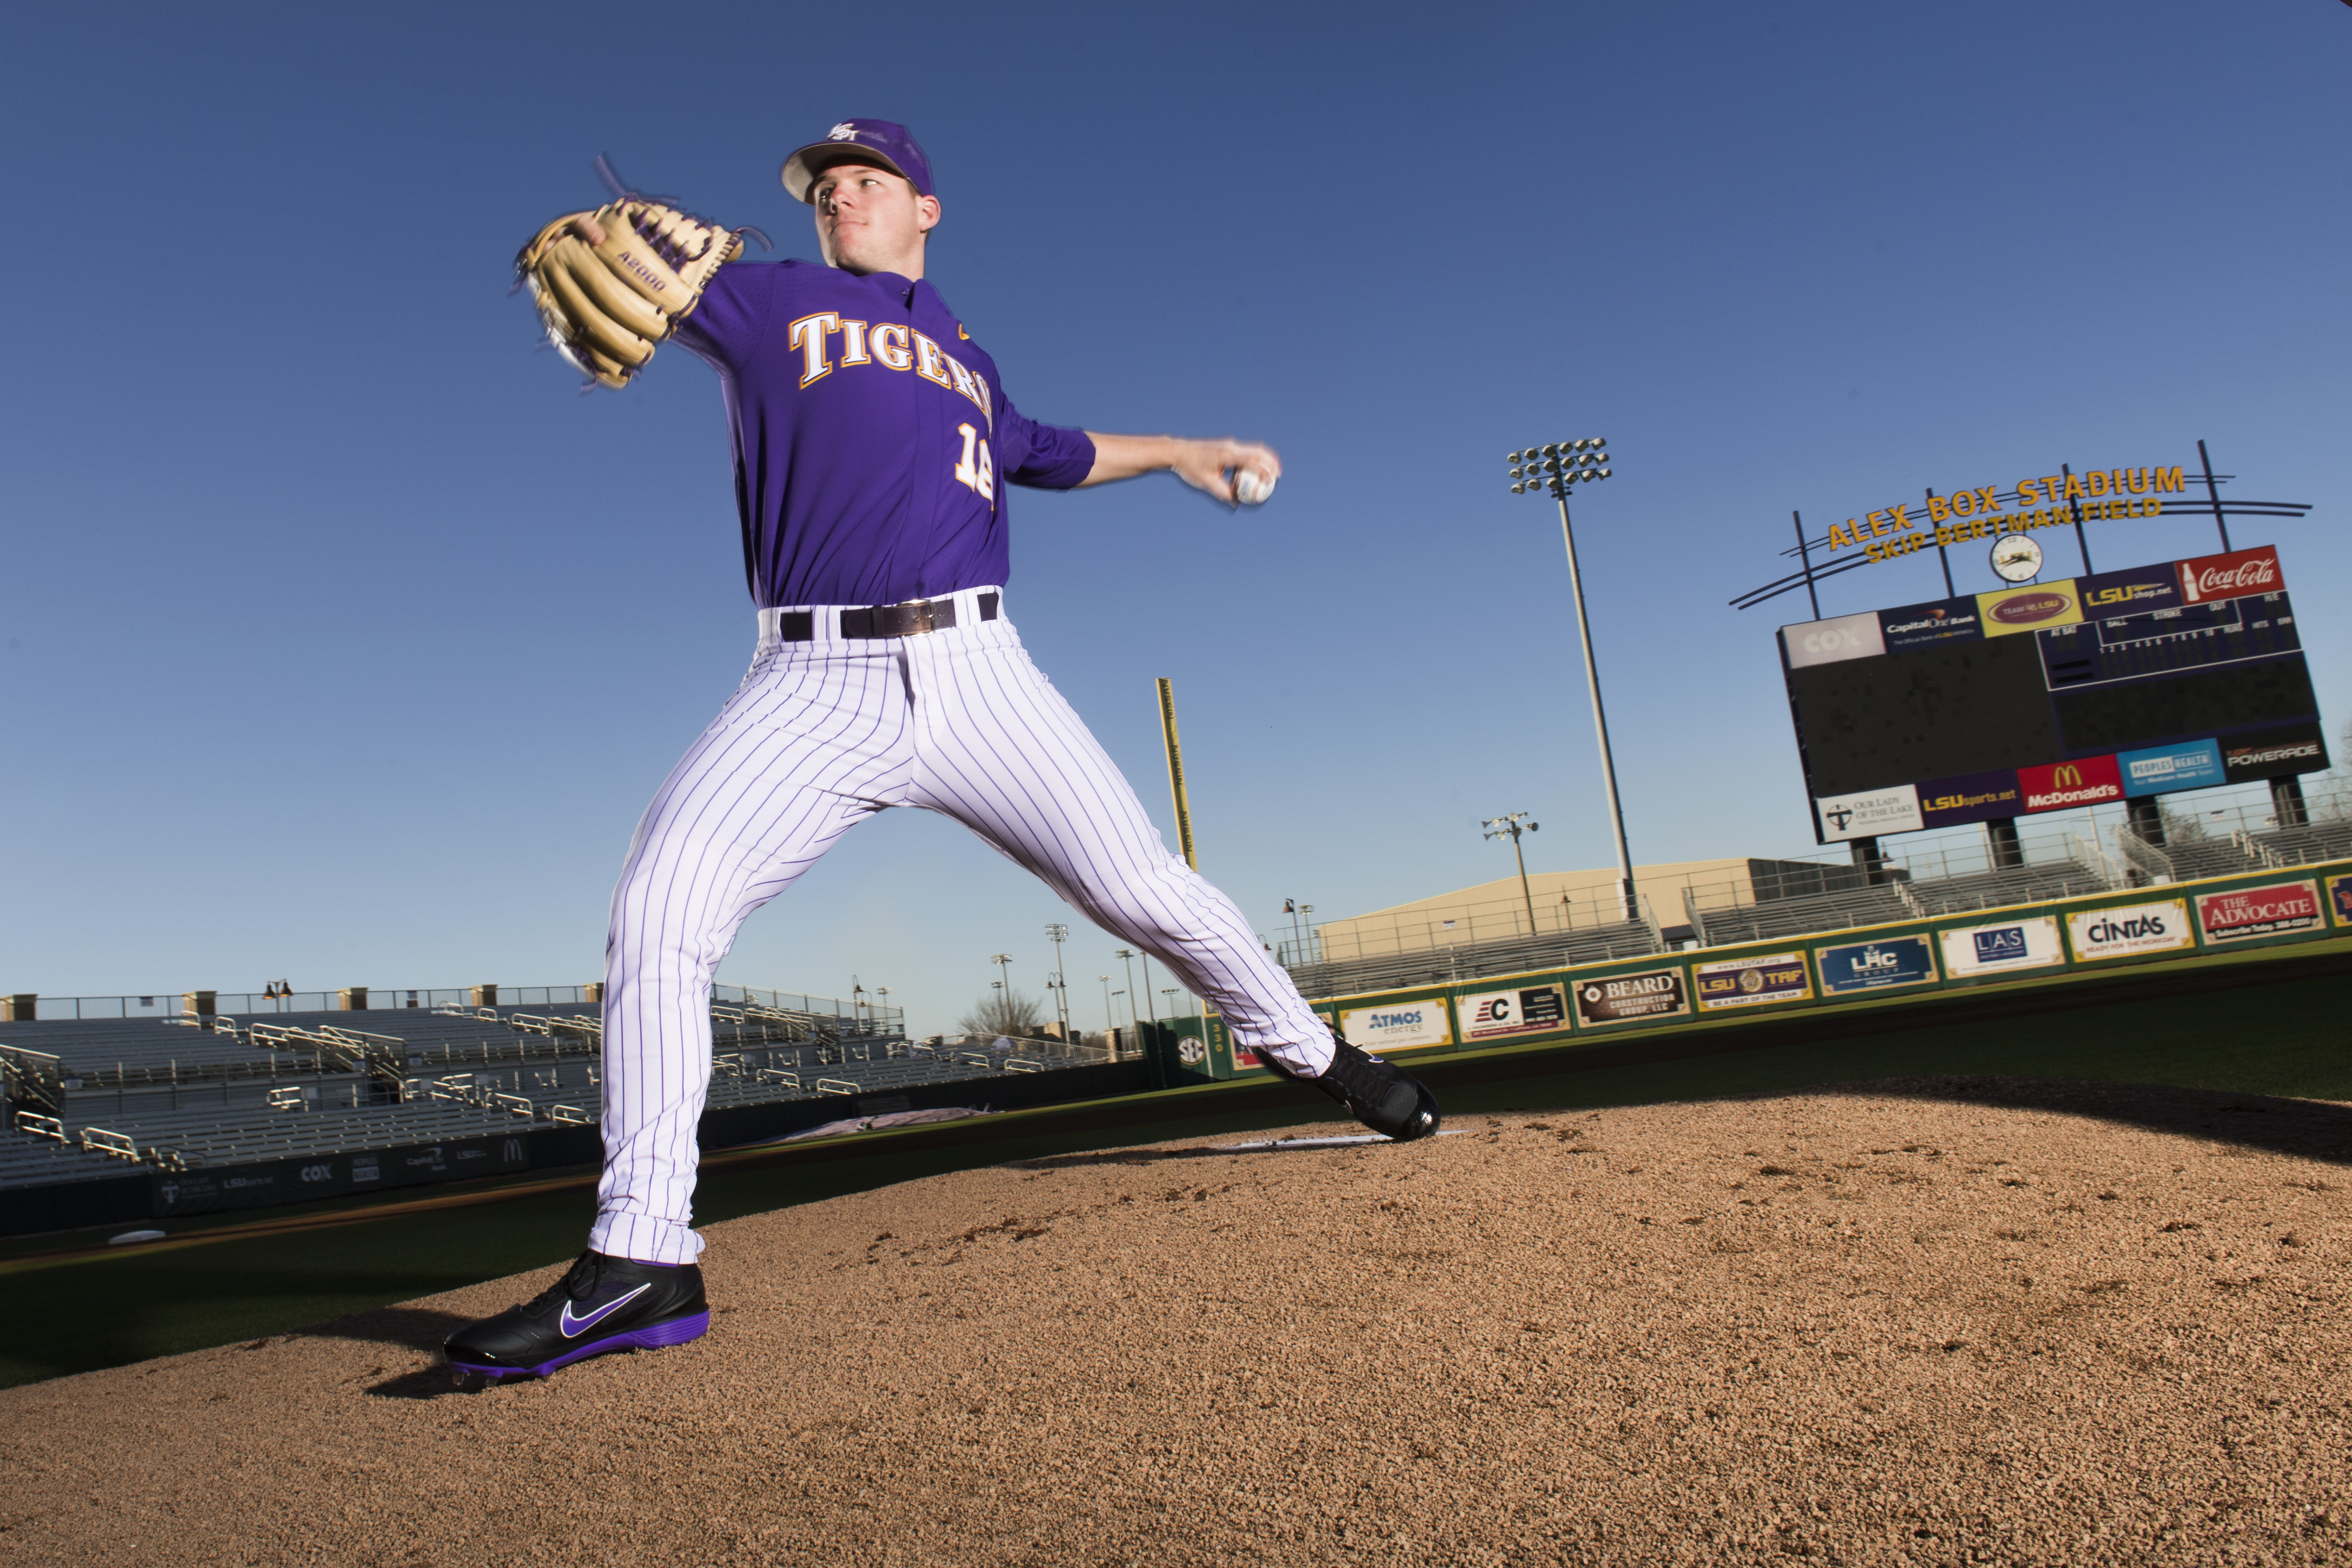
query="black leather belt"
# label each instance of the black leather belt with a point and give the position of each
(910, 619)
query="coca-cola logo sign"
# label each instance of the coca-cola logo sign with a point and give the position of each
(2032, 609)
(2232, 576)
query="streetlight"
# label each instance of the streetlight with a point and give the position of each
(1108, 1022)
(1130, 955)
(1061, 985)
(1496, 829)
(1554, 469)
(1297, 913)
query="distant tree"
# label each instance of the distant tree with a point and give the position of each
(1003, 1013)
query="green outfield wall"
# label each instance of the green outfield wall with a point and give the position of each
(2090, 935)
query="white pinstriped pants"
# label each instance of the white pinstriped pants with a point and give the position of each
(820, 736)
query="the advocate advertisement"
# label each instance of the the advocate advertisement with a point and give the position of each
(1869, 813)
(1974, 951)
(2029, 609)
(1397, 1026)
(2085, 781)
(1922, 626)
(2282, 908)
(2232, 576)
(1887, 965)
(1622, 998)
(1751, 981)
(1498, 1014)
(1970, 797)
(2129, 928)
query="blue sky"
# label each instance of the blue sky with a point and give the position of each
(344, 641)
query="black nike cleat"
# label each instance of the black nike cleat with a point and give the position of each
(1381, 1095)
(601, 1304)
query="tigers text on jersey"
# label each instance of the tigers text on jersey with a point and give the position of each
(872, 436)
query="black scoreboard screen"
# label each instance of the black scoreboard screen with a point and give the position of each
(2096, 688)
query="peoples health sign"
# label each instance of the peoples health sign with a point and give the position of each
(2162, 768)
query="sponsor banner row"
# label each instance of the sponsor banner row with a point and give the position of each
(208, 1190)
(1894, 963)
(2035, 606)
(2060, 786)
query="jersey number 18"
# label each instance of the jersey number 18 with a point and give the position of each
(977, 469)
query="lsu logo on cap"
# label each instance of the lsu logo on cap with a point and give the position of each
(844, 131)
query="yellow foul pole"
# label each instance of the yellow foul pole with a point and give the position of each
(1176, 772)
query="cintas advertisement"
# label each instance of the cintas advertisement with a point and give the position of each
(2128, 930)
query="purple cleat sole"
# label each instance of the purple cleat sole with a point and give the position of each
(654, 1337)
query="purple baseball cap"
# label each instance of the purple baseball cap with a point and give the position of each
(875, 141)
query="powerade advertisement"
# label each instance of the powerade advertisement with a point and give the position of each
(1397, 1026)
(1887, 965)
(1498, 1014)
(1752, 981)
(2129, 928)
(1621, 998)
(2282, 908)
(2001, 946)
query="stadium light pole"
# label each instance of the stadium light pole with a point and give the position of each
(1498, 827)
(1059, 933)
(1128, 955)
(1554, 469)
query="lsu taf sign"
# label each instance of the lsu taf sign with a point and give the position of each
(1752, 981)
(2086, 781)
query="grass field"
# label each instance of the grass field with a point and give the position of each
(2286, 1035)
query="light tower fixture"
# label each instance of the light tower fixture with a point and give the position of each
(1059, 933)
(1510, 826)
(1554, 468)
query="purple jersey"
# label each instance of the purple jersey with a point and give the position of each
(872, 436)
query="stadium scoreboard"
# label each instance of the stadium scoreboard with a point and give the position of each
(2050, 695)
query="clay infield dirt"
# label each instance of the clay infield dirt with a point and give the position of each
(1935, 1322)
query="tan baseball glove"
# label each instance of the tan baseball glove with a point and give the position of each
(613, 283)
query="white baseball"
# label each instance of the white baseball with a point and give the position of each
(1250, 487)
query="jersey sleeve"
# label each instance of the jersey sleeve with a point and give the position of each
(1041, 456)
(728, 320)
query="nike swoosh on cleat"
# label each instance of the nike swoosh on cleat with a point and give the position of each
(573, 1327)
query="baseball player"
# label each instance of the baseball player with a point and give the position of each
(873, 440)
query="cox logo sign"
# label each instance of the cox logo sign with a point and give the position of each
(317, 1173)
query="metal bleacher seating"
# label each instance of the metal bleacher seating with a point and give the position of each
(1444, 965)
(2307, 845)
(2011, 885)
(1777, 918)
(2197, 858)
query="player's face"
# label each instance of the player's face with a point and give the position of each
(871, 220)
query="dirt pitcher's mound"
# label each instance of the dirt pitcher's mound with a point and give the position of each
(1868, 1327)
